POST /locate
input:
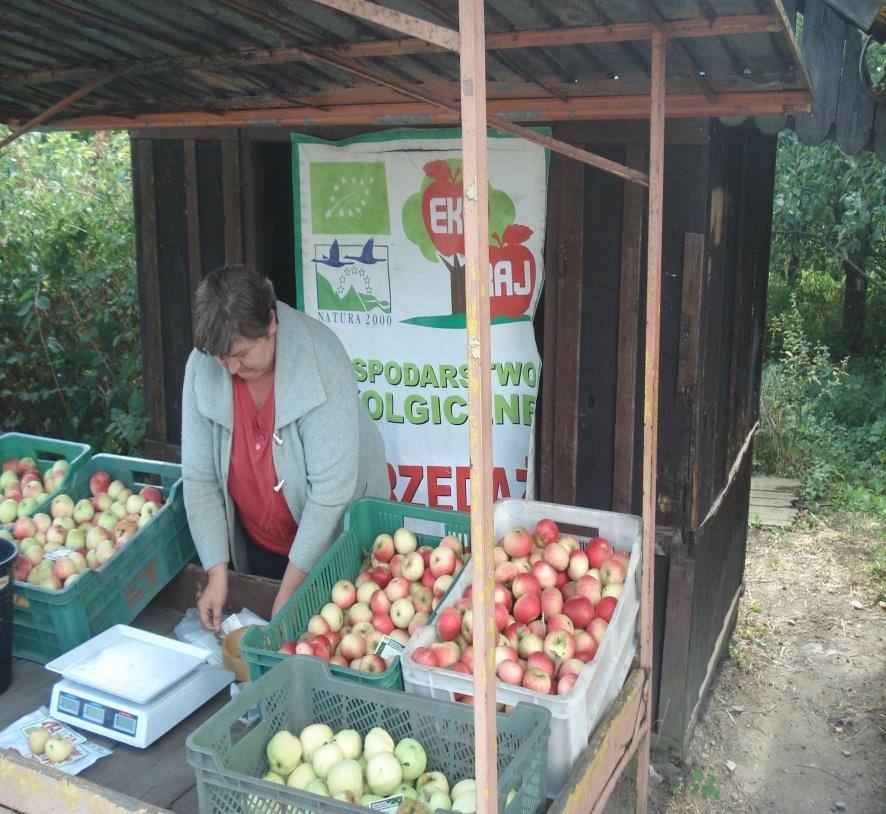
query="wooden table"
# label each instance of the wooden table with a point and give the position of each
(126, 780)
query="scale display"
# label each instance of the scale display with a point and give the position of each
(101, 715)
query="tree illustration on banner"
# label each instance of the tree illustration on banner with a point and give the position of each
(433, 219)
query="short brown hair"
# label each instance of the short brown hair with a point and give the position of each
(231, 302)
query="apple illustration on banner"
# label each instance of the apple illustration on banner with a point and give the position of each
(511, 273)
(441, 208)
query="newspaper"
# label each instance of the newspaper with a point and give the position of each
(83, 753)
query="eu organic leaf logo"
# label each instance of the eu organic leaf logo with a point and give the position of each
(349, 198)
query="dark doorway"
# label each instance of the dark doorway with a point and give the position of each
(275, 250)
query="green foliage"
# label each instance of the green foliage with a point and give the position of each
(828, 207)
(822, 422)
(704, 785)
(69, 326)
(877, 571)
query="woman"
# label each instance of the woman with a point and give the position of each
(275, 441)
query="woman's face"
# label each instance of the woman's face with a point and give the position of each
(252, 358)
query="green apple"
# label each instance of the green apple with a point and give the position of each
(57, 749)
(412, 757)
(284, 753)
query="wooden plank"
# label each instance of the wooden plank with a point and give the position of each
(690, 314)
(775, 484)
(610, 748)
(232, 202)
(149, 287)
(195, 269)
(550, 346)
(823, 34)
(30, 788)
(628, 337)
(855, 106)
(761, 501)
(570, 240)
(768, 516)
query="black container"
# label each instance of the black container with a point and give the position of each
(8, 552)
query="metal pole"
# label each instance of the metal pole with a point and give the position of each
(650, 396)
(476, 219)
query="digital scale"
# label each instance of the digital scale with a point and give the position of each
(133, 686)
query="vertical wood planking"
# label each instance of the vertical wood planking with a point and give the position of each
(551, 294)
(570, 271)
(855, 106)
(628, 336)
(149, 286)
(248, 186)
(688, 353)
(195, 268)
(232, 202)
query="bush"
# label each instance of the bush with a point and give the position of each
(69, 324)
(822, 422)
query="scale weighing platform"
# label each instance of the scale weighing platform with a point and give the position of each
(133, 686)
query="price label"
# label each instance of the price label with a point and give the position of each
(389, 647)
(387, 806)
(59, 553)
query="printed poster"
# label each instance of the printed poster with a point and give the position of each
(380, 260)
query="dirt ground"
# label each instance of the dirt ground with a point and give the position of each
(796, 716)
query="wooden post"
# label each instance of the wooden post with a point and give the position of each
(476, 219)
(650, 395)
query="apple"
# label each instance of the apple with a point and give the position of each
(363, 628)
(525, 584)
(24, 527)
(115, 489)
(42, 521)
(590, 587)
(379, 602)
(584, 641)
(21, 567)
(560, 621)
(398, 587)
(506, 572)
(380, 575)
(537, 680)
(551, 602)
(451, 542)
(571, 666)
(612, 571)
(578, 565)
(102, 502)
(56, 534)
(446, 653)
(134, 504)
(511, 672)
(442, 561)
(317, 625)
(442, 584)
(467, 626)
(527, 608)
(422, 599)
(546, 531)
(557, 556)
(559, 645)
(448, 624)
(95, 535)
(344, 593)
(545, 573)
(151, 494)
(502, 617)
(57, 749)
(32, 489)
(536, 626)
(614, 589)
(352, 646)
(61, 506)
(517, 542)
(597, 628)
(402, 612)
(405, 542)
(566, 683)
(413, 566)
(606, 608)
(304, 649)
(599, 550)
(579, 609)
(423, 655)
(118, 509)
(418, 621)
(383, 548)
(502, 596)
(76, 539)
(529, 644)
(99, 482)
(334, 616)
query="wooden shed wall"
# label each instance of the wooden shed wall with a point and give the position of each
(204, 198)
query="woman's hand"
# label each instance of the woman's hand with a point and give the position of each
(212, 600)
(292, 578)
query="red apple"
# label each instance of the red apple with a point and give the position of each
(579, 609)
(380, 575)
(423, 655)
(418, 621)
(365, 590)
(441, 584)
(546, 531)
(397, 588)
(590, 587)
(551, 602)
(503, 596)
(517, 542)
(448, 624)
(542, 661)
(382, 622)
(606, 608)
(525, 584)
(383, 548)
(344, 593)
(511, 672)
(442, 561)
(504, 652)
(502, 617)
(287, 648)
(402, 612)
(99, 482)
(613, 589)
(380, 602)
(452, 542)
(612, 571)
(557, 556)
(566, 683)
(527, 608)
(359, 612)
(505, 572)
(446, 654)
(570, 667)
(545, 573)
(598, 551)
(560, 621)
(578, 565)
(537, 680)
(597, 628)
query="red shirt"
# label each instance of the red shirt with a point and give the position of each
(263, 510)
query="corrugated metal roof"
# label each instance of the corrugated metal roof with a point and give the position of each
(294, 61)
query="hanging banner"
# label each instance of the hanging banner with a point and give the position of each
(380, 259)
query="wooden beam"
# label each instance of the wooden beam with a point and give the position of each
(398, 21)
(686, 60)
(650, 392)
(611, 747)
(47, 114)
(597, 108)
(540, 38)
(472, 63)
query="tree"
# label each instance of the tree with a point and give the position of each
(829, 215)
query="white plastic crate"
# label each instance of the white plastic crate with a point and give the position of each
(574, 715)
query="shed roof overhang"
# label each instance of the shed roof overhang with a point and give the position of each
(185, 63)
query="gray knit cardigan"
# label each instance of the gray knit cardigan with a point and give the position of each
(327, 450)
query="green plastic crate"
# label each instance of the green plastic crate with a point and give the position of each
(229, 763)
(46, 451)
(48, 623)
(364, 520)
